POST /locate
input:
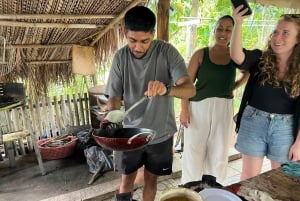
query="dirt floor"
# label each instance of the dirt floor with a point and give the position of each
(63, 177)
(25, 182)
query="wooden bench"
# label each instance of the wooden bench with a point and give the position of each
(10, 137)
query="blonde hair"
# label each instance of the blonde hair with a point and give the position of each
(269, 63)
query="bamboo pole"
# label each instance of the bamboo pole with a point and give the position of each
(76, 109)
(87, 113)
(53, 16)
(69, 104)
(50, 25)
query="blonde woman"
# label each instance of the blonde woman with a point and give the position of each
(268, 120)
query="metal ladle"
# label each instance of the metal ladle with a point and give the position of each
(116, 116)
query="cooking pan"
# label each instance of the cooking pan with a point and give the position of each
(123, 139)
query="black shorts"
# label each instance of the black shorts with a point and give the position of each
(156, 158)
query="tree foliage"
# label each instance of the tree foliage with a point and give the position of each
(257, 27)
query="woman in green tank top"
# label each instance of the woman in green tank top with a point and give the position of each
(208, 115)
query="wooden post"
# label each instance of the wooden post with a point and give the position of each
(163, 8)
(76, 110)
(35, 145)
(87, 111)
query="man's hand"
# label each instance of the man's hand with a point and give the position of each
(156, 88)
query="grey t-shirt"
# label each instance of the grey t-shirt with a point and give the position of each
(129, 79)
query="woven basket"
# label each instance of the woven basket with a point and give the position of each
(53, 153)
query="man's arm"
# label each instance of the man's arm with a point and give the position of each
(183, 89)
(244, 76)
(114, 103)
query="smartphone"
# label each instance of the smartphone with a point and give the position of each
(236, 3)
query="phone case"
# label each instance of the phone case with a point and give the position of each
(236, 3)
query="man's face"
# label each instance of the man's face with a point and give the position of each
(139, 42)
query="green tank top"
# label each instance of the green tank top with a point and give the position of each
(214, 80)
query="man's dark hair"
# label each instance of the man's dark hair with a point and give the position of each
(140, 18)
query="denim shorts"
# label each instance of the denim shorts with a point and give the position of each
(265, 134)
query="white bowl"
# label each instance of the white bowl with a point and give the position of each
(180, 194)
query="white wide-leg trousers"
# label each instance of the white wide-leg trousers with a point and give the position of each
(207, 139)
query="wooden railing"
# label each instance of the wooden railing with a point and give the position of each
(49, 118)
(52, 118)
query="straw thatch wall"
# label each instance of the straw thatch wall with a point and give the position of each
(41, 34)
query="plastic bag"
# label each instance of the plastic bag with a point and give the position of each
(85, 139)
(95, 155)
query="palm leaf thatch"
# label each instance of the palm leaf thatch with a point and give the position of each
(42, 33)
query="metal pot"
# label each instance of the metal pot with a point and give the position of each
(123, 139)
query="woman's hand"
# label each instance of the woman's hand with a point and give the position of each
(238, 14)
(185, 118)
(294, 154)
(236, 45)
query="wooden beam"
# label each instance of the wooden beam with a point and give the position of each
(49, 25)
(48, 62)
(42, 46)
(163, 9)
(53, 16)
(115, 21)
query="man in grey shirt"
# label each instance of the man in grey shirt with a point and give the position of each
(152, 68)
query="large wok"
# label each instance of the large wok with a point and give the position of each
(123, 139)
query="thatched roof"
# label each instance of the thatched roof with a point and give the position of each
(42, 33)
(279, 3)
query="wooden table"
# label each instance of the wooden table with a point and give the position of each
(278, 184)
